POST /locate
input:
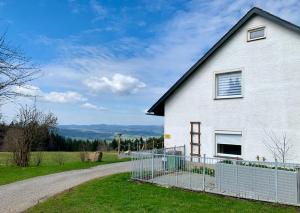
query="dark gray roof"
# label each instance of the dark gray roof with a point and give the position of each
(158, 107)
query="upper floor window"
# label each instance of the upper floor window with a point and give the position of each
(228, 85)
(256, 33)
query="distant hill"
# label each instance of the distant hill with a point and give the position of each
(105, 131)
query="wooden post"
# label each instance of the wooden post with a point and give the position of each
(152, 143)
(129, 151)
(119, 142)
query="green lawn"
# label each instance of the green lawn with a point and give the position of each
(118, 194)
(10, 173)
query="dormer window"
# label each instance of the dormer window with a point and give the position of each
(256, 33)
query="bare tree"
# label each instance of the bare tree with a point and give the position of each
(15, 70)
(83, 152)
(31, 126)
(279, 146)
(14, 143)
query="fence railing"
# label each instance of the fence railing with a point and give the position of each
(266, 181)
(176, 150)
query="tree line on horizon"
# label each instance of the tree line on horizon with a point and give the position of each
(61, 143)
(52, 141)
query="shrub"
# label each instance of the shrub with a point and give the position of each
(207, 171)
(82, 156)
(59, 158)
(100, 156)
(38, 158)
(226, 161)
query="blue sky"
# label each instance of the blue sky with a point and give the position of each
(109, 61)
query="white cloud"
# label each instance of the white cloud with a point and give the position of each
(63, 97)
(92, 106)
(28, 90)
(89, 106)
(55, 97)
(119, 84)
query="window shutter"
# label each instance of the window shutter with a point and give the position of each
(228, 139)
(229, 84)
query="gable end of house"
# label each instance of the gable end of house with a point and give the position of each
(158, 107)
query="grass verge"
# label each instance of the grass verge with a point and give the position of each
(117, 194)
(9, 174)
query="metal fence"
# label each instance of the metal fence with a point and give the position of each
(266, 181)
(176, 150)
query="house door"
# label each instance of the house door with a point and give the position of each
(195, 139)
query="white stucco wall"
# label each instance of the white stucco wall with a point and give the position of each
(271, 94)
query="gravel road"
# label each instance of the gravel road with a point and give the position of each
(18, 196)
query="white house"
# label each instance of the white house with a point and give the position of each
(244, 91)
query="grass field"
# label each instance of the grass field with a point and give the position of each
(117, 194)
(9, 174)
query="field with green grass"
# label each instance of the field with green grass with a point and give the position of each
(118, 194)
(10, 173)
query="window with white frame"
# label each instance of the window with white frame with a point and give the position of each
(228, 144)
(256, 33)
(229, 84)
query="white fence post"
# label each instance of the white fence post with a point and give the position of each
(190, 174)
(164, 162)
(176, 167)
(298, 184)
(133, 164)
(276, 180)
(152, 167)
(141, 167)
(237, 177)
(203, 172)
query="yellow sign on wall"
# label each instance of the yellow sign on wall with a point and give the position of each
(167, 136)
